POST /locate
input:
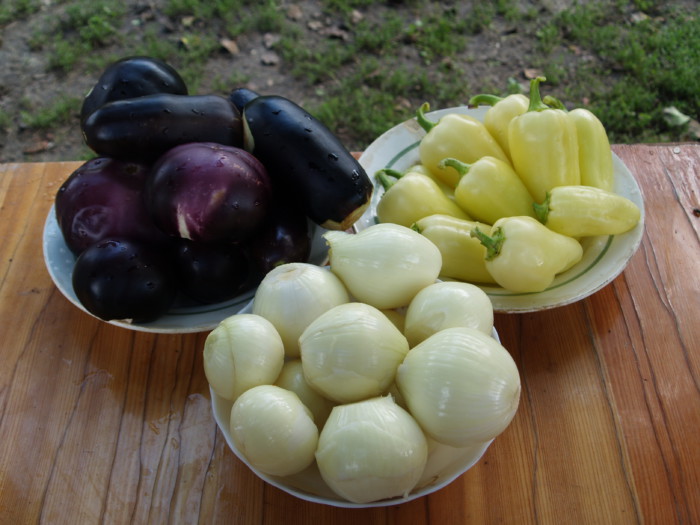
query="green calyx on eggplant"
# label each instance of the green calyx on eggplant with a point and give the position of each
(144, 128)
(132, 77)
(309, 161)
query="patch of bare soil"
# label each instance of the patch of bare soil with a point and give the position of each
(28, 84)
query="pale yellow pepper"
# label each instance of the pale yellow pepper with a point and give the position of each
(524, 256)
(583, 211)
(489, 189)
(412, 196)
(544, 146)
(499, 115)
(463, 257)
(594, 153)
(454, 135)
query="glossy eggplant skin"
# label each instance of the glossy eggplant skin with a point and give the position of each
(284, 237)
(208, 192)
(212, 272)
(103, 198)
(143, 128)
(119, 278)
(241, 96)
(132, 77)
(302, 155)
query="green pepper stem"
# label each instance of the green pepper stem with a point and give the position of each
(461, 167)
(555, 103)
(484, 99)
(426, 124)
(385, 176)
(492, 243)
(542, 210)
(536, 103)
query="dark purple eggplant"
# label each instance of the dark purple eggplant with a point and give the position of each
(285, 237)
(212, 272)
(103, 198)
(146, 127)
(132, 77)
(308, 160)
(208, 192)
(119, 279)
(241, 96)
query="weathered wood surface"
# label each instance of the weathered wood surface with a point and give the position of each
(103, 425)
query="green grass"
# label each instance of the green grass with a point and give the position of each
(11, 10)
(646, 66)
(417, 51)
(59, 111)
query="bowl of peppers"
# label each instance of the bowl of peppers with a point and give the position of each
(523, 197)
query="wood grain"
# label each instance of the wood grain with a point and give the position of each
(102, 425)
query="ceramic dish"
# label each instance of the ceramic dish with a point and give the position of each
(604, 257)
(445, 464)
(182, 318)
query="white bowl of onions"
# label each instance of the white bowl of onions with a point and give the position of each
(327, 385)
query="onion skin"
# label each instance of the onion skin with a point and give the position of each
(384, 265)
(461, 385)
(447, 305)
(242, 352)
(371, 450)
(292, 295)
(273, 430)
(351, 352)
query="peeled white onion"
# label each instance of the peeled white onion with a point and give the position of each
(273, 430)
(351, 352)
(243, 351)
(292, 295)
(371, 450)
(461, 386)
(384, 265)
(292, 378)
(447, 305)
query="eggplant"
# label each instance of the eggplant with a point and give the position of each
(208, 192)
(284, 237)
(120, 278)
(132, 77)
(144, 128)
(302, 155)
(103, 198)
(241, 96)
(212, 272)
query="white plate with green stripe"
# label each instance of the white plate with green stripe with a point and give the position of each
(604, 258)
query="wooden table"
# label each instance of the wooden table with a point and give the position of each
(103, 425)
